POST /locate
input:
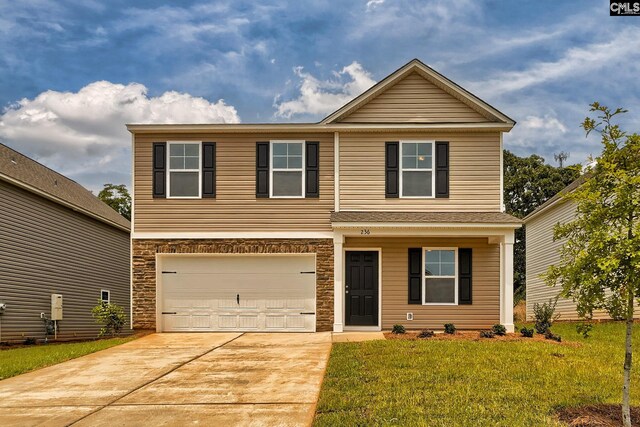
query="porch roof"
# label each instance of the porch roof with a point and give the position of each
(424, 218)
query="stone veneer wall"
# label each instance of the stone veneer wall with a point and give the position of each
(144, 269)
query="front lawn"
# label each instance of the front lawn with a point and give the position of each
(17, 361)
(474, 383)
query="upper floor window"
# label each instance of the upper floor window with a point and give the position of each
(440, 276)
(287, 169)
(183, 177)
(416, 169)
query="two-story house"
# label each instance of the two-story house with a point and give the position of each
(388, 211)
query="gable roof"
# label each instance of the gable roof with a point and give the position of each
(557, 197)
(32, 176)
(432, 76)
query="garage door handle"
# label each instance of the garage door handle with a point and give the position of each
(304, 312)
(169, 312)
(307, 272)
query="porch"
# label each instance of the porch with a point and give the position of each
(422, 270)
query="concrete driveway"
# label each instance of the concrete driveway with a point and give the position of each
(225, 379)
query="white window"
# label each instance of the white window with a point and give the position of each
(416, 169)
(440, 279)
(287, 169)
(183, 177)
(105, 296)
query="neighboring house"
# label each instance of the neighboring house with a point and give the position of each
(542, 252)
(56, 238)
(388, 211)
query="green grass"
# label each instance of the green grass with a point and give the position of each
(17, 361)
(473, 383)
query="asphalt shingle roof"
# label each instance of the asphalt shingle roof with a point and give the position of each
(34, 175)
(426, 217)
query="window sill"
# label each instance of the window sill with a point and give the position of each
(440, 303)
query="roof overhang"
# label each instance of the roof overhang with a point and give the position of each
(317, 127)
(62, 202)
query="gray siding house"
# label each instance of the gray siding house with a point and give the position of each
(56, 238)
(542, 251)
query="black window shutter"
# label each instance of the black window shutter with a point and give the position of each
(415, 276)
(208, 169)
(442, 169)
(262, 169)
(391, 182)
(159, 169)
(312, 169)
(464, 276)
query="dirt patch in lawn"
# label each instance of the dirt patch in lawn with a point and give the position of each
(596, 416)
(474, 336)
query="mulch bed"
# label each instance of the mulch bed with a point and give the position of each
(473, 336)
(596, 416)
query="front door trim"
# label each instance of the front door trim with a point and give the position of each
(344, 306)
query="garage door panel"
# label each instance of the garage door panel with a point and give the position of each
(240, 292)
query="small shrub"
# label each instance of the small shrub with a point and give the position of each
(426, 333)
(449, 328)
(30, 341)
(584, 329)
(487, 334)
(543, 316)
(111, 316)
(527, 332)
(499, 329)
(398, 329)
(551, 336)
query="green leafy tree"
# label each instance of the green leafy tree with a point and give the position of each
(110, 316)
(117, 196)
(528, 183)
(600, 261)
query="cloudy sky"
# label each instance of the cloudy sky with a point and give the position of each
(72, 73)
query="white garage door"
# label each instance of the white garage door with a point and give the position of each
(238, 293)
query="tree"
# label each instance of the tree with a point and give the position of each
(117, 196)
(600, 260)
(528, 183)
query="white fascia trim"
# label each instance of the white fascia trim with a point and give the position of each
(336, 171)
(61, 202)
(423, 226)
(235, 235)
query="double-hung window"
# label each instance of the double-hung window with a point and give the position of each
(416, 169)
(440, 278)
(183, 177)
(287, 169)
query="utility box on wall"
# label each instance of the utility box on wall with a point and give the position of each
(56, 307)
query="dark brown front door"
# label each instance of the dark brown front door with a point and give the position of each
(361, 288)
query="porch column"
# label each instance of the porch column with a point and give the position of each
(338, 288)
(506, 294)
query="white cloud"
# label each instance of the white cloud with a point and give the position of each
(372, 4)
(573, 62)
(325, 96)
(547, 122)
(82, 134)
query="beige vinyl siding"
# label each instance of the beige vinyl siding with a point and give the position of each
(474, 172)
(46, 248)
(235, 207)
(542, 252)
(483, 313)
(415, 100)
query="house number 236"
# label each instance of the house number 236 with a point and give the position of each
(365, 231)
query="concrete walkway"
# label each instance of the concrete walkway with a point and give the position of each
(225, 379)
